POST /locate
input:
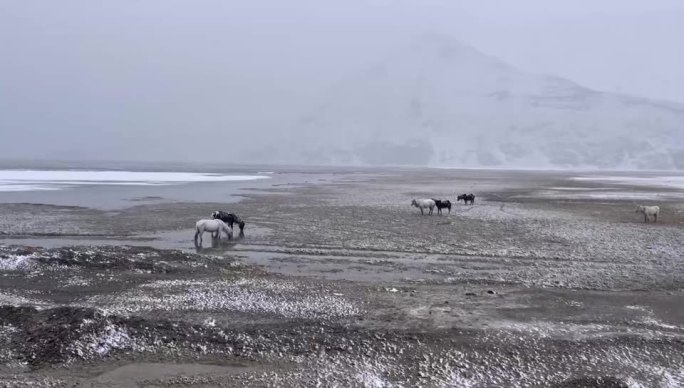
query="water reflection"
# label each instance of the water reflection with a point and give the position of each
(218, 245)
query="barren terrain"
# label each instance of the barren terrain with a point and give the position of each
(547, 281)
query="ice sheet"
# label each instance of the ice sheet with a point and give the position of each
(32, 180)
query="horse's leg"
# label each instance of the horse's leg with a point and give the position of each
(421, 211)
(655, 217)
(645, 217)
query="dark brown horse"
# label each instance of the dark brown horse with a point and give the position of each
(442, 204)
(466, 198)
(229, 218)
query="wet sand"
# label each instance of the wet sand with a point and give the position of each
(545, 281)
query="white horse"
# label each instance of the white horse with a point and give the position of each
(648, 212)
(212, 226)
(424, 204)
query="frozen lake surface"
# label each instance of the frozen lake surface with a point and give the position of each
(675, 182)
(30, 180)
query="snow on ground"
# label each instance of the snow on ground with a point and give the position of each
(7, 353)
(30, 180)
(496, 244)
(7, 298)
(282, 298)
(674, 182)
(102, 342)
(604, 195)
(17, 263)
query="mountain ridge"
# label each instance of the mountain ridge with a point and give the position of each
(442, 103)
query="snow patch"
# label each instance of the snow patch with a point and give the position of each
(282, 298)
(605, 195)
(33, 180)
(17, 300)
(371, 379)
(100, 344)
(675, 182)
(17, 263)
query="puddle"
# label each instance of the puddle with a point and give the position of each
(176, 239)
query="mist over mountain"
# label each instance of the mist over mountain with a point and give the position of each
(442, 103)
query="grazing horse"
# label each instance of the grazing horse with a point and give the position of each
(648, 212)
(466, 198)
(229, 218)
(211, 226)
(442, 204)
(424, 204)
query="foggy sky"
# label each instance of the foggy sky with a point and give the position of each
(191, 80)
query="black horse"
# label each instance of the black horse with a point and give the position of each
(466, 198)
(229, 218)
(442, 204)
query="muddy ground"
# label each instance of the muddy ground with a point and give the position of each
(545, 282)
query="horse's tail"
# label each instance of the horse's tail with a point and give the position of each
(197, 233)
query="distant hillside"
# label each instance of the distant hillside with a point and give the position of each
(442, 103)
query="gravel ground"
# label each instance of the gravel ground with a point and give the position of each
(344, 284)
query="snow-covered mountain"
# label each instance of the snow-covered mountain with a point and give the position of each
(442, 103)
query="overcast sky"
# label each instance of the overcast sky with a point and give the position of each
(77, 72)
